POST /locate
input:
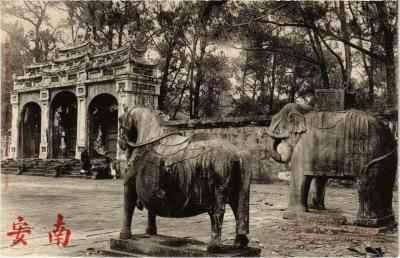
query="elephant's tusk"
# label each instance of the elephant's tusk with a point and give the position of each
(276, 135)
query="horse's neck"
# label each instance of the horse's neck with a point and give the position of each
(149, 134)
(149, 129)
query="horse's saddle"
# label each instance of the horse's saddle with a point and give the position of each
(176, 171)
(174, 144)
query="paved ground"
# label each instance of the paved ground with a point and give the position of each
(92, 210)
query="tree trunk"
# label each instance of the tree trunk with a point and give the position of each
(37, 44)
(369, 70)
(164, 80)
(323, 68)
(254, 89)
(120, 34)
(272, 89)
(388, 44)
(292, 93)
(110, 36)
(181, 97)
(245, 71)
(199, 78)
(192, 63)
(346, 36)
(316, 45)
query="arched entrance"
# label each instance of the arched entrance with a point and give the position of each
(29, 126)
(63, 125)
(103, 126)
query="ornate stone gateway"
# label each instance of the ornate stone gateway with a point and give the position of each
(103, 126)
(63, 121)
(30, 128)
(80, 92)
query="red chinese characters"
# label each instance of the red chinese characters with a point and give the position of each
(58, 233)
(19, 230)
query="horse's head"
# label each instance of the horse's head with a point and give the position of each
(127, 129)
(139, 124)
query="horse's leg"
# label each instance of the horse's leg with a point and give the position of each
(217, 217)
(130, 198)
(243, 205)
(151, 223)
(240, 239)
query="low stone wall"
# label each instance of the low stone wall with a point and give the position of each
(247, 134)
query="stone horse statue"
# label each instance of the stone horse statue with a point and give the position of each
(175, 176)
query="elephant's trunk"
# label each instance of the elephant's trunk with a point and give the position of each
(277, 135)
(271, 147)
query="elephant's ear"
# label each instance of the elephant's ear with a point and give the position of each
(297, 119)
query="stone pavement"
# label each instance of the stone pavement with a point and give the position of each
(92, 209)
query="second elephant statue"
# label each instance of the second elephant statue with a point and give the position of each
(342, 145)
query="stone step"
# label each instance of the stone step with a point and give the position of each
(35, 173)
(167, 246)
(76, 176)
(45, 172)
(9, 170)
(118, 253)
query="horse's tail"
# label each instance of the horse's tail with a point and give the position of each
(242, 227)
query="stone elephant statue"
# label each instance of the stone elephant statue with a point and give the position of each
(346, 144)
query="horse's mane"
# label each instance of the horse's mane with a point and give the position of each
(160, 116)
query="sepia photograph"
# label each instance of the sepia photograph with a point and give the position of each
(179, 128)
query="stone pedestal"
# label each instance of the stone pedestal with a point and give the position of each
(324, 216)
(333, 100)
(387, 222)
(166, 246)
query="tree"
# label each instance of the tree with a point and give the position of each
(34, 13)
(110, 23)
(171, 24)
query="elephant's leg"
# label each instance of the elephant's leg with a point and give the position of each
(299, 189)
(317, 193)
(130, 198)
(151, 223)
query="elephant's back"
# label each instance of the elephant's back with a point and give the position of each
(342, 143)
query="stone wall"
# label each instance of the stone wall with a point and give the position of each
(247, 134)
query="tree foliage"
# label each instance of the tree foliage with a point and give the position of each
(284, 50)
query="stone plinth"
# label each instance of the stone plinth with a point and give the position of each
(166, 246)
(333, 100)
(317, 216)
(387, 222)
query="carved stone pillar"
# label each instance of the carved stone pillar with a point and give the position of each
(121, 85)
(14, 127)
(44, 124)
(81, 134)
